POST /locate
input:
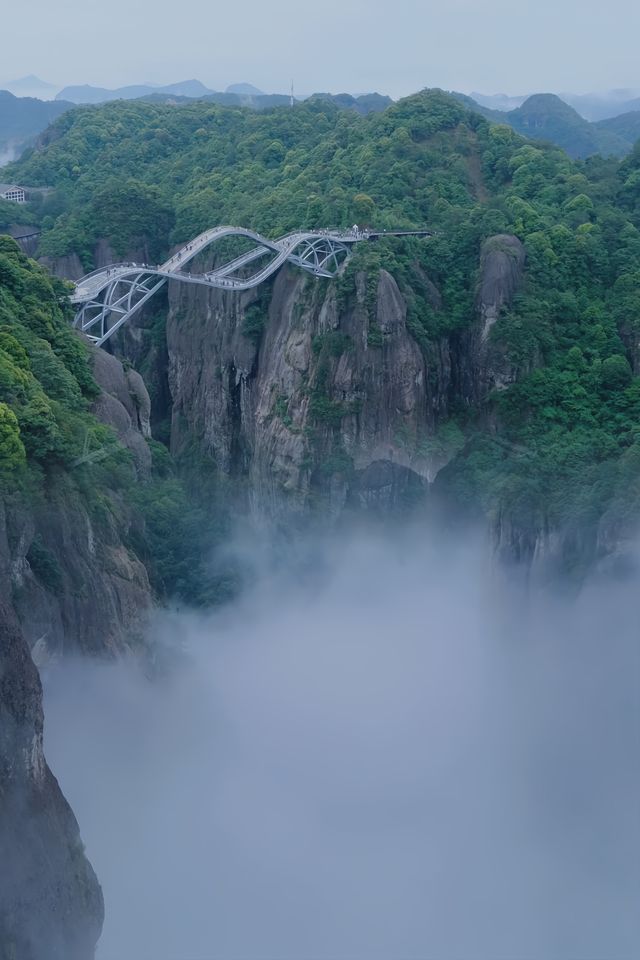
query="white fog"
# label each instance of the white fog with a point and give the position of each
(396, 754)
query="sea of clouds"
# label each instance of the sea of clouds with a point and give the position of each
(387, 750)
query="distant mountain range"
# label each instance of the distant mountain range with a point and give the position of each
(365, 103)
(590, 106)
(245, 89)
(31, 86)
(88, 94)
(237, 94)
(22, 119)
(627, 126)
(603, 106)
(544, 116)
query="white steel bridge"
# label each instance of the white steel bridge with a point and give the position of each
(110, 296)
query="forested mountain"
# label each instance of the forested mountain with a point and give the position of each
(603, 106)
(489, 372)
(534, 396)
(238, 94)
(87, 501)
(545, 116)
(85, 93)
(541, 117)
(627, 125)
(590, 106)
(364, 104)
(22, 119)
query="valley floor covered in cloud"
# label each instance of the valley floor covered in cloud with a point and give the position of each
(396, 754)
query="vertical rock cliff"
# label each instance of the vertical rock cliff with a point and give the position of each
(76, 583)
(68, 583)
(312, 394)
(50, 901)
(331, 402)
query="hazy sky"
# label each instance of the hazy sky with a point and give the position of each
(356, 45)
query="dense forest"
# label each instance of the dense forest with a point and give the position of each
(51, 442)
(560, 444)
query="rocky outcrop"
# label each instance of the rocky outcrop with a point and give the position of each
(104, 254)
(501, 270)
(124, 404)
(70, 581)
(50, 901)
(306, 393)
(481, 361)
(76, 583)
(331, 389)
(68, 267)
(26, 237)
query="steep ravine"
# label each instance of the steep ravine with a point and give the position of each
(311, 398)
(67, 585)
(307, 399)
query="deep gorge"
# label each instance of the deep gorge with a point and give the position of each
(476, 393)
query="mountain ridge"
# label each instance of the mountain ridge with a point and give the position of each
(546, 116)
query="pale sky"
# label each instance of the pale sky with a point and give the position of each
(392, 46)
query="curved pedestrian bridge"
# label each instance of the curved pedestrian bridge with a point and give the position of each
(110, 296)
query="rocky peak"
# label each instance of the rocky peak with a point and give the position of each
(501, 269)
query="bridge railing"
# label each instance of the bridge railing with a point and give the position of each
(123, 265)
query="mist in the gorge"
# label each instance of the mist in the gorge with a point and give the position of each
(386, 751)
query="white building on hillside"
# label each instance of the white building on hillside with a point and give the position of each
(9, 191)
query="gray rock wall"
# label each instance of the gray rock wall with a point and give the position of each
(291, 420)
(101, 593)
(51, 904)
(250, 408)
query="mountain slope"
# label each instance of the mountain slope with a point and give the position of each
(51, 905)
(596, 107)
(244, 89)
(554, 375)
(22, 119)
(364, 104)
(546, 117)
(627, 126)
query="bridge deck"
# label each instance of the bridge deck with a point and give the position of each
(120, 289)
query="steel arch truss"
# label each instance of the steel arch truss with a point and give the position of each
(118, 301)
(322, 256)
(110, 296)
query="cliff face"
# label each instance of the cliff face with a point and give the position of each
(69, 267)
(50, 901)
(68, 583)
(333, 403)
(502, 261)
(314, 394)
(310, 393)
(75, 584)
